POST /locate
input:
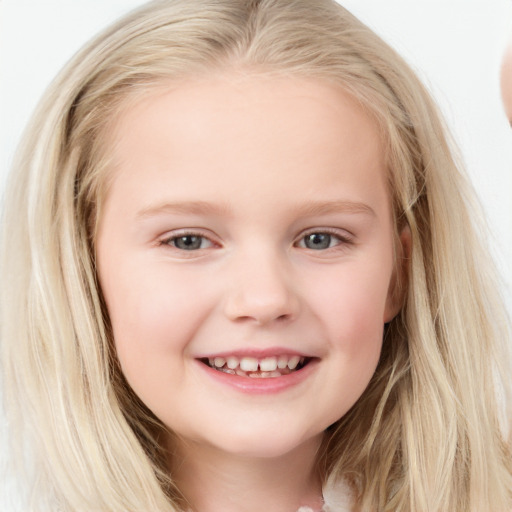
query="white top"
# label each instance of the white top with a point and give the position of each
(337, 498)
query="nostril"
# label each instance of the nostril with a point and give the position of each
(262, 318)
(262, 301)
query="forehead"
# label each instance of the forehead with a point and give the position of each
(255, 133)
(242, 89)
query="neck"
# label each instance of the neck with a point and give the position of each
(214, 481)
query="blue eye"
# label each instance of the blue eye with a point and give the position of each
(322, 240)
(318, 241)
(189, 242)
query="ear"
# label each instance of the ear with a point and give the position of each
(400, 275)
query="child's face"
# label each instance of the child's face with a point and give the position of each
(248, 220)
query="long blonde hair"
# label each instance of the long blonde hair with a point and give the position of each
(428, 434)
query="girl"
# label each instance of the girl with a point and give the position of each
(240, 273)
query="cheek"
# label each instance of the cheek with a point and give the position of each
(351, 310)
(153, 312)
(354, 302)
(154, 315)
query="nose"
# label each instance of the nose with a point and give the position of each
(261, 290)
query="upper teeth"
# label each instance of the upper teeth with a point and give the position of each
(252, 364)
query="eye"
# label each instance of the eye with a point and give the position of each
(188, 242)
(318, 241)
(321, 240)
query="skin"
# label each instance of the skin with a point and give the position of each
(506, 81)
(253, 165)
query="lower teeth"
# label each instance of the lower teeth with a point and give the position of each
(265, 375)
(253, 375)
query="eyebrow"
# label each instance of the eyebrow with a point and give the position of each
(187, 207)
(310, 208)
(326, 207)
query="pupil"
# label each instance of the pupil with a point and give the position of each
(318, 241)
(188, 242)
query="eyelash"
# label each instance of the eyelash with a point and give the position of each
(170, 240)
(344, 240)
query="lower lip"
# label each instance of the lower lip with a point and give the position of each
(260, 386)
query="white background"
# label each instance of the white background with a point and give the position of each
(455, 46)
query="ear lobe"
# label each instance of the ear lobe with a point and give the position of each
(400, 276)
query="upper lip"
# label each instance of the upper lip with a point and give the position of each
(256, 353)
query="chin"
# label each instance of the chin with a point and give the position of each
(266, 444)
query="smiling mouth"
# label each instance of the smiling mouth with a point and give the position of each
(268, 367)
